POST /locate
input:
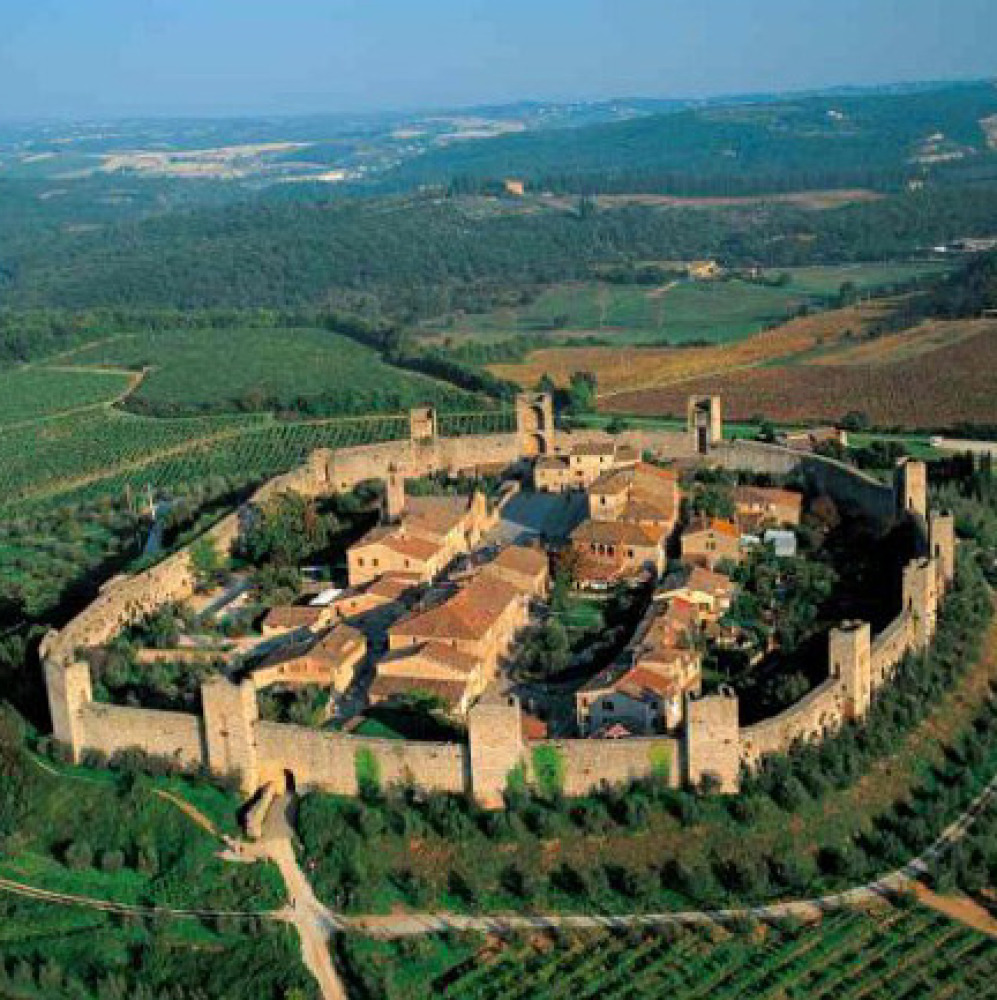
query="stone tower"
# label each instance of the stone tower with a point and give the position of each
(69, 693)
(705, 423)
(713, 740)
(320, 468)
(910, 486)
(394, 494)
(535, 423)
(920, 595)
(850, 658)
(941, 536)
(230, 716)
(423, 425)
(495, 734)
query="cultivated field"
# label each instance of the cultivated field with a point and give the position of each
(677, 312)
(896, 384)
(627, 369)
(889, 955)
(30, 393)
(265, 368)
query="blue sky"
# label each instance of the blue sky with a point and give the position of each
(120, 57)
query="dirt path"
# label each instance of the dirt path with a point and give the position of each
(960, 908)
(313, 921)
(190, 811)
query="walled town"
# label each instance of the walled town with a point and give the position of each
(465, 560)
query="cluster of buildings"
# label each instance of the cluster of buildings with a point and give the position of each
(444, 632)
(431, 611)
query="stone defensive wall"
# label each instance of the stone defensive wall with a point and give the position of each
(229, 739)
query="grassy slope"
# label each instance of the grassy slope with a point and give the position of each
(109, 814)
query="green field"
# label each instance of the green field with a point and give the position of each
(253, 369)
(30, 393)
(897, 953)
(686, 311)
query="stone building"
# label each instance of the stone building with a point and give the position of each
(329, 660)
(766, 506)
(709, 541)
(581, 465)
(481, 620)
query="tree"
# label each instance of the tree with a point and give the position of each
(206, 562)
(284, 530)
(582, 392)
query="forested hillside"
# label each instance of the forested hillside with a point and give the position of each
(414, 257)
(828, 140)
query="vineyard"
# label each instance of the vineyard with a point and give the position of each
(254, 369)
(954, 383)
(31, 393)
(621, 369)
(899, 953)
(97, 454)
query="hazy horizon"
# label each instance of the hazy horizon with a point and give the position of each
(225, 58)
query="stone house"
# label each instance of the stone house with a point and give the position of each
(641, 494)
(581, 466)
(331, 661)
(429, 534)
(709, 541)
(286, 618)
(608, 551)
(708, 592)
(524, 567)
(481, 620)
(766, 506)
(435, 669)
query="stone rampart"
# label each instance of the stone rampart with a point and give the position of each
(591, 764)
(230, 739)
(313, 759)
(176, 736)
(890, 647)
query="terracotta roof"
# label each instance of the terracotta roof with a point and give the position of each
(551, 462)
(616, 533)
(392, 586)
(522, 559)
(470, 614)
(397, 539)
(437, 515)
(715, 524)
(338, 642)
(612, 482)
(292, 616)
(532, 727)
(709, 582)
(766, 495)
(437, 653)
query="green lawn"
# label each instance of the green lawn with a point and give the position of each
(266, 368)
(30, 393)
